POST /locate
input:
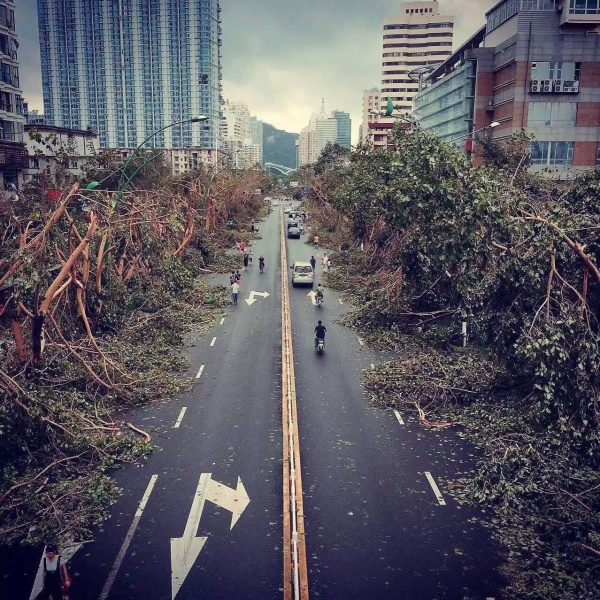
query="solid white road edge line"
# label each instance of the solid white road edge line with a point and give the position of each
(399, 417)
(435, 488)
(199, 373)
(213, 342)
(136, 520)
(180, 418)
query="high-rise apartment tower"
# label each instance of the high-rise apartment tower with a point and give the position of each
(13, 156)
(126, 69)
(418, 37)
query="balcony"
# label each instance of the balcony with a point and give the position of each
(580, 12)
(13, 156)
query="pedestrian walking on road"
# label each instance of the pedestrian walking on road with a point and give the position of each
(232, 278)
(55, 574)
(313, 263)
(235, 290)
(328, 265)
(238, 278)
(324, 261)
(250, 255)
(246, 259)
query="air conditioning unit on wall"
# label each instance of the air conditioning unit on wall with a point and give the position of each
(535, 85)
(558, 85)
(571, 87)
(546, 85)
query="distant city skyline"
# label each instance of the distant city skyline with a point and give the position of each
(295, 55)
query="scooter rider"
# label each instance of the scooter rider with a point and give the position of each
(320, 331)
(319, 295)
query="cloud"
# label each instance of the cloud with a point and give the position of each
(282, 56)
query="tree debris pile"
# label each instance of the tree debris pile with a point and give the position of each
(442, 254)
(96, 293)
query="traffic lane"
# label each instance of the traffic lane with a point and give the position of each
(231, 428)
(374, 468)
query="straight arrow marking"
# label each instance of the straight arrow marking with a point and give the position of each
(185, 550)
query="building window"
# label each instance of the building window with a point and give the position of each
(564, 71)
(552, 153)
(584, 7)
(552, 114)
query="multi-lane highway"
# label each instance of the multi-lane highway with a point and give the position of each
(210, 513)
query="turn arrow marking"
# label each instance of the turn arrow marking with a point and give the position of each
(185, 550)
(253, 295)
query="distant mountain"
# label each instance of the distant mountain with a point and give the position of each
(279, 146)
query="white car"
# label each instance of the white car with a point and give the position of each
(287, 210)
(302, 274)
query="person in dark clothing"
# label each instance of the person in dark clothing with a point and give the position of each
(246, 258)
(55, 573)
(320, 331)
(313, 263)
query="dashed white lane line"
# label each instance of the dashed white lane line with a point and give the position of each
(136, 520)
(222, 320)
(435, 488)
(180, 418)
(399, 417)
(213, 342)
(199, 373)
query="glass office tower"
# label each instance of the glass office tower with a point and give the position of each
(344, 127)
(126, 68)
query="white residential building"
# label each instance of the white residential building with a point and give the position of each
(43, 141)
(418, 37)
(241, 136)
(371, 104)
(320, 131)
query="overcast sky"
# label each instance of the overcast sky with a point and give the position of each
(282, 56)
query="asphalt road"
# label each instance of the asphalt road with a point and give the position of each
(374, 526)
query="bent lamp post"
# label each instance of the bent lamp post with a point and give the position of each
(124, 180)
(472, 133)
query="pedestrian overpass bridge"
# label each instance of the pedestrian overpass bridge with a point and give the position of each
(274, 167)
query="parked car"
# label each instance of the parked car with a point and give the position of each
(302, 274)
(293, 232)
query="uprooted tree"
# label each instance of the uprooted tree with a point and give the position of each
(92, 295)
(514, 259)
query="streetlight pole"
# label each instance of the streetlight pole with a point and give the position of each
(472, 133)
(124, 180)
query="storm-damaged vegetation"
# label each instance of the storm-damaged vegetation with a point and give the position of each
(486, 281)
(97, 290)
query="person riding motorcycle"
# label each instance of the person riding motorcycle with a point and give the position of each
(319, 294)
(320, 331)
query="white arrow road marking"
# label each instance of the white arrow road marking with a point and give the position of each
(235, 501)
(181, 415)
(185, 550)
(313, 297)
(435, 488)
(38, 584)
(399, 417)
(200, 371)
(136, 520)
(250, 301)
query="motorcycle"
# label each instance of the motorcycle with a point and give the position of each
(320, 346)
(319, 299)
